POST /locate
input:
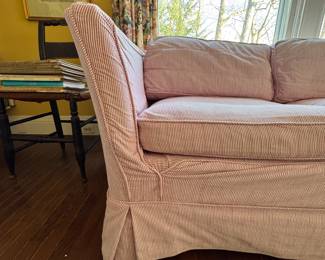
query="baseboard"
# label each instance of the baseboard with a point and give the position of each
(45, 125)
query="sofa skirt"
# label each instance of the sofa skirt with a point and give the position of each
(154, 230)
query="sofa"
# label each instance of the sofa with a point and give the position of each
(207, 144)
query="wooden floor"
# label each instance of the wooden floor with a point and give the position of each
(47, 213)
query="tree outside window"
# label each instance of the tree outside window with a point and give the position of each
(235, 20)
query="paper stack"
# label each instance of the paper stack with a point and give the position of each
(54, 74)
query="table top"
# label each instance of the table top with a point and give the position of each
(43, 94)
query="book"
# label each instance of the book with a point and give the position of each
(42, 74)
(45, 84)
(36, 89)
(41, 90)
(47, 67)
(38, 77)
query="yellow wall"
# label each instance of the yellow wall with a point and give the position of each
(19, 41)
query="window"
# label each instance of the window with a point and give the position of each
(305, 18)
(257, 21)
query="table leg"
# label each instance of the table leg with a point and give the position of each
(8, 146)
(57, 121)
(78, 139)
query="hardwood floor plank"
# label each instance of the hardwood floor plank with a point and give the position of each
(64, 247)
(83, 249)
(32, 222)
(33, 194)
(54, 228)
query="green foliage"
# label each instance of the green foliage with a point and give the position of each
(243, 20)
(180, 17)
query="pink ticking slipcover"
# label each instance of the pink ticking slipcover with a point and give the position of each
(233, 128)
(313, 101)
(159, 205)
(298, 69)
(180, 66)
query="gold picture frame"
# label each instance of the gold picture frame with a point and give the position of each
(47, 9)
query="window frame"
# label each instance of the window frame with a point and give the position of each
(300, 19)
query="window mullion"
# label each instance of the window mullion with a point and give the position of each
(283, 20)
(299, 19)
(309, 17)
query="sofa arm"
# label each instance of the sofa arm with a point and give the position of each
(113, 66)
(106, 54)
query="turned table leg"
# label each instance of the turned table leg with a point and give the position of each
(8, 146)
(57, 121)
(78, 139)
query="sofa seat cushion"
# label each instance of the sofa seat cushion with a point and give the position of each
(233, 128)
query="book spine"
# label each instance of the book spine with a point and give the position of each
(16, 83)
(19, 77)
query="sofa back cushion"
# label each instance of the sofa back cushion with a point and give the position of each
(180, 66)
(298, 67)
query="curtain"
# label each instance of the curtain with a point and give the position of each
(137, 19)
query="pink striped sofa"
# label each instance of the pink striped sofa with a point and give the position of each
(207, 144)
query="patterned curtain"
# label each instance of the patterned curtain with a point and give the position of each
(137, 19)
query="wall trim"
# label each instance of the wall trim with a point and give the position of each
(45, 125)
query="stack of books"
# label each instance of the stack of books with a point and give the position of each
(49, 74)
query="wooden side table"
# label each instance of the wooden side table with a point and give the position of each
(51, 96)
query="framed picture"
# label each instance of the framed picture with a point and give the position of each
(47, 9)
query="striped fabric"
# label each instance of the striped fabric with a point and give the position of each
(313, 101)
(233, 128)
(298, 69)
(159, 205)
(181, 66)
